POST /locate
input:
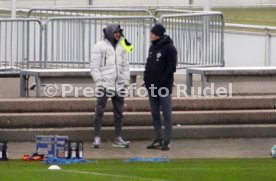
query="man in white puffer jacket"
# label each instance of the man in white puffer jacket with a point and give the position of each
(110, 71)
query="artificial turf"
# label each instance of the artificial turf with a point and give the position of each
(182, 170)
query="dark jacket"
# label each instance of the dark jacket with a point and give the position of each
(161, 64)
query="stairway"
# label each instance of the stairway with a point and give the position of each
(236, 117)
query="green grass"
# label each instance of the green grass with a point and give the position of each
(255, 16)
(251, 16)
(112, 170)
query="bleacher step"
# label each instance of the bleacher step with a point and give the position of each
(85, 119)
(136, 104)
(146, 132)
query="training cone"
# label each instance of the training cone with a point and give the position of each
(54, 167)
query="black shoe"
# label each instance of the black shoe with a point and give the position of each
(165, 146)
(155, 145)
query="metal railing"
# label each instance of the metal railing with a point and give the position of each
(160, 12)
(199, 38)
(68, 40)
(20, 44)
(45, 13)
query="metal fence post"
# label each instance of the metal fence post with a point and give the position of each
(45, 44)
(145, 48)
(28, 44)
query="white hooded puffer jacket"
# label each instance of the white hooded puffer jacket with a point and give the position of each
(110, 66)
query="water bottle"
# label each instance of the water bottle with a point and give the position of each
(73, 147)
(66, 150)
(80, 150)
(3, 151)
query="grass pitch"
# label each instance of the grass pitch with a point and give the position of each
(113, 170)
(254, 16)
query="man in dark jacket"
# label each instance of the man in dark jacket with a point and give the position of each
(159, 78)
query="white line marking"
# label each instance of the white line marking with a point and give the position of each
(111, 175)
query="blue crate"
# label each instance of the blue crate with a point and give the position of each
(51, 145)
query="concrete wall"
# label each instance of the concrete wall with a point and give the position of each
(248, 49)
(51, 3)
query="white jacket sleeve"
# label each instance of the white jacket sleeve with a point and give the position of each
(126, 69)
(95, 64)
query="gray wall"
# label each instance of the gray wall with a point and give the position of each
(51, 3)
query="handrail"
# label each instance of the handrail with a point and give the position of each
(190, 15)
(90, 9)
(247, 26)
(173, 11)
(99, 18)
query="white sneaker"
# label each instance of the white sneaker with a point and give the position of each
(120, 143)
(97, 142)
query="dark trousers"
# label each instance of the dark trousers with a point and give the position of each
(156, 103)
(118, 104)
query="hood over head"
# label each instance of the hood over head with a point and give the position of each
(109, 33)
